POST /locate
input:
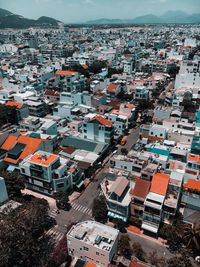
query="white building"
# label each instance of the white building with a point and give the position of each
(47, 173)
(189, 75)
(93, 241)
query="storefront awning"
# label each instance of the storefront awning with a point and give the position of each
(117, 216)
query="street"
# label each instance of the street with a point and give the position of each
(82, 207)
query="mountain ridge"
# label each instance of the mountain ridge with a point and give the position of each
(10, 20)
(171, 16)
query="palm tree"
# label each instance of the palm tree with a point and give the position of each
(191, 237)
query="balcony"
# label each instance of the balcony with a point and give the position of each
(36, 168)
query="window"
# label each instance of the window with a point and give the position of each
(161, 134)
(97, 253)
(60, 185)
(85, 248)
(23, 170)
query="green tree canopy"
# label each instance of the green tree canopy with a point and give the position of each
(23, 241)
(99, 209)
(14, 183)
(124, 246)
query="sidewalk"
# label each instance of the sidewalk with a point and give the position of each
(50, 200)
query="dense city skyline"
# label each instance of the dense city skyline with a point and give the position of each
(84, 10)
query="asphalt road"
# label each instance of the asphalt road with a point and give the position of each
(86, 198)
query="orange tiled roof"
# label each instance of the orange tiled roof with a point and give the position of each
(192, 184)
(9, 142)
(14, 104)
(102, 121)
(65, 72)
(90, 264)
(43, 160)
(112, 87)
(32, 144)
(194, 157)
(159, 183)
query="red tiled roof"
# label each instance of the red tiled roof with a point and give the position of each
(112, 87)
(159, 183)
(52, 93)
(136, 263)
(102, 121)
(141, 188)
(69, 150)
(65, 72)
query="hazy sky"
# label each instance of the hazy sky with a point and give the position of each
(83, 10)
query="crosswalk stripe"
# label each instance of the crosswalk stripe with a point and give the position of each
(79, 207)
(84, 210)
(74, 205)
(90, 212)
(59, 237)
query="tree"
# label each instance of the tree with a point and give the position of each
(191, 237)
(8, 115)
(23, 241)
(14, 183)
(99, 209)
(179, 262)
(124, 246)
(61, 200)
(97, 66)
(60, 253)
(124, 151)
(155, 260)
(138, 251)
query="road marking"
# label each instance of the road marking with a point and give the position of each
(74, 205)
(84, 210)
(81, 208)
(90, 213)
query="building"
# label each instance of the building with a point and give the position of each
(46, 173)
(98, 129)
(138, 195)
(3, 191)
(21, 109)
(71, 81)
(117, 197)
(153, 205)
(113, 90)
(93, 241)
(191, 194)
